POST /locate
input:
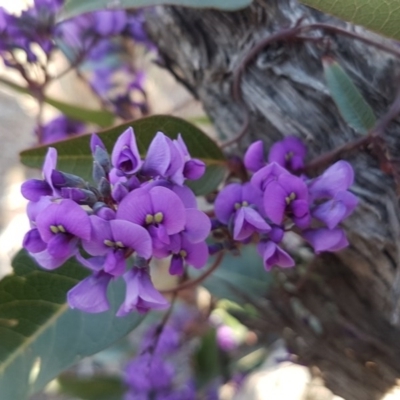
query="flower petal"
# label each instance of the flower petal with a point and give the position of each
(165, 201)
(158, 157)
(133, 236)
(34, 189)
(324, 239)
(33, 242)
(125, 155)
(338, 177)
(101, 231)
(135, 206)
(254, 156)
(197, 253)
(198, 225)
(90, 295)
(274, 202)
(224, 205)
(247, 221)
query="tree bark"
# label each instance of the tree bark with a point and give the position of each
(344, 318)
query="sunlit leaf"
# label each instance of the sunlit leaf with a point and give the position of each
(381, 16)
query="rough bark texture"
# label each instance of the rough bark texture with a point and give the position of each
(344, 319)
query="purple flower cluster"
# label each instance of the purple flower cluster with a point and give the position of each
(34, 27)
(139, 207)
(99, 40)
(278, 199)
(155, 372)
(96, 44)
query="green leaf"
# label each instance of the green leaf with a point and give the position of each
(102, 118)
(238, 275)
(73, 8)
(74, 154)
(206, 360)
(381, 16)
(40, 336)
(352, 106)
(95, 388)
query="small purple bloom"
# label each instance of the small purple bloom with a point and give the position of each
(125, 155)
(193, 168)
(267, 174)
(34, 189)
(338, 177)
(287, 194)
(237, 201)
(273, 255)
(140, 293)
(184, 251)
(159, 210)
(61, 225)
(234, 196)
(333, 211)
(164, 160)
(289, 153)
(324, 239)
(90, 295)
(115, 240)
(254, 157)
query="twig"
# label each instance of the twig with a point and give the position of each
(161, 326)
(200, 279)
(285, 34)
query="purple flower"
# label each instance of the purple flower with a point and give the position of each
(193, 168)
(125, 155)
(90, 295)
(140, 293)
(116, 239)
(333, 211)
(273, 255)
(289, 153)
(164, 160)
(61, 225)
(184, 251)
(337, 178)
(267, 174)
(324, 239)
(254, 156)
(158, 209)
(287, 194)
(34, 189)
(237, 201)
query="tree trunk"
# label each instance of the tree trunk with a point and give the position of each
(344, 317)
